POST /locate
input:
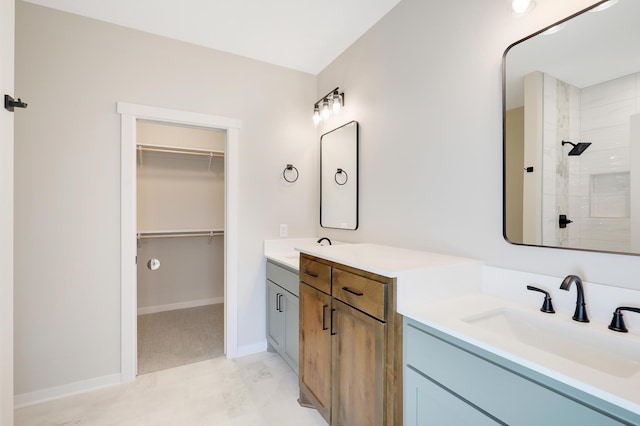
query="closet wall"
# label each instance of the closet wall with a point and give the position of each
(178, 192)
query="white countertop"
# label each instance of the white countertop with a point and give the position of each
(383, 260)
(286, 251)
(290, 260)
(415, 271)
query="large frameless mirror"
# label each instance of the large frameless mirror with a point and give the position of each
(339, 177)
(571, 96)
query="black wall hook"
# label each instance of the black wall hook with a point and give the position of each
(10, 103)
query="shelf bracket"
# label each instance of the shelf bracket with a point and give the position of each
(138, 238)
(140, 155)
(210, 158)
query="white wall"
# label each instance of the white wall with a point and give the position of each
(6, 215)
(67, 256)
(425, 85)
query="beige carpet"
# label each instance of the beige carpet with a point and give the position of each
(184, 336)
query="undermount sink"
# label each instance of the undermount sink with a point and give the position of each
(616, 355)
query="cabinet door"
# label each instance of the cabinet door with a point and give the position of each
(291, 328)
(275, 322)
(315, 349)
(359, 379)
(426, 403)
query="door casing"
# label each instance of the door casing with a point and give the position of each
(130, 113)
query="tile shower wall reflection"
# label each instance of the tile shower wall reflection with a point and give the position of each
(593, 189)
(561, 115)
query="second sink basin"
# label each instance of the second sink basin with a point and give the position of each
(601, 350)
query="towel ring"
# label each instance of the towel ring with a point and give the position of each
(339, 172)
(290, 167)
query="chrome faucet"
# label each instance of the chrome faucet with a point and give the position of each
(580, 314)
(322, 239)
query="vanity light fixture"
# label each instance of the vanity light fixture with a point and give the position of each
(329, 104)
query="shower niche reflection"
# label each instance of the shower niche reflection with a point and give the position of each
(572, 134)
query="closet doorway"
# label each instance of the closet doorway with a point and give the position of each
(179, 236)
(180, 267)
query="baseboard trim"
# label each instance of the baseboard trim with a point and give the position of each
(57, 392)
(180, 305)
(252, 349)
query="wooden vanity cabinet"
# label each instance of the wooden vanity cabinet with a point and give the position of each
(358, 367)
(315, 350)
(350, 345)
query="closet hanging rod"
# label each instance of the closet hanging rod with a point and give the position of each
(175, 234)
(144, 235)
(172, 150)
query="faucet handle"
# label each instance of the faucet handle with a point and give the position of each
(617, 322)
(547, 306)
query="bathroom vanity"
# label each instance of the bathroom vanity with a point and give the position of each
(349, 365)
(449, 381)
(282, 290)
(390, 336)
(350, 332)
(493, 357)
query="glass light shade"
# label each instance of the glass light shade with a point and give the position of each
(336, 104)
(316, 115)
(326, 112)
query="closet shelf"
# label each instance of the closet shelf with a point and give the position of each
(178, 150)
(209, 232)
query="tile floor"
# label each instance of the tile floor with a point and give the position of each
(254, 390)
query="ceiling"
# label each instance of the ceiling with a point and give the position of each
(299, 34)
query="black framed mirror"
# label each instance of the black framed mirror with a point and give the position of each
(339, 177)
(571, 140)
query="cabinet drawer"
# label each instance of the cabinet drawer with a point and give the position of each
(283, 277)
(362, 293)
(316, 274)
